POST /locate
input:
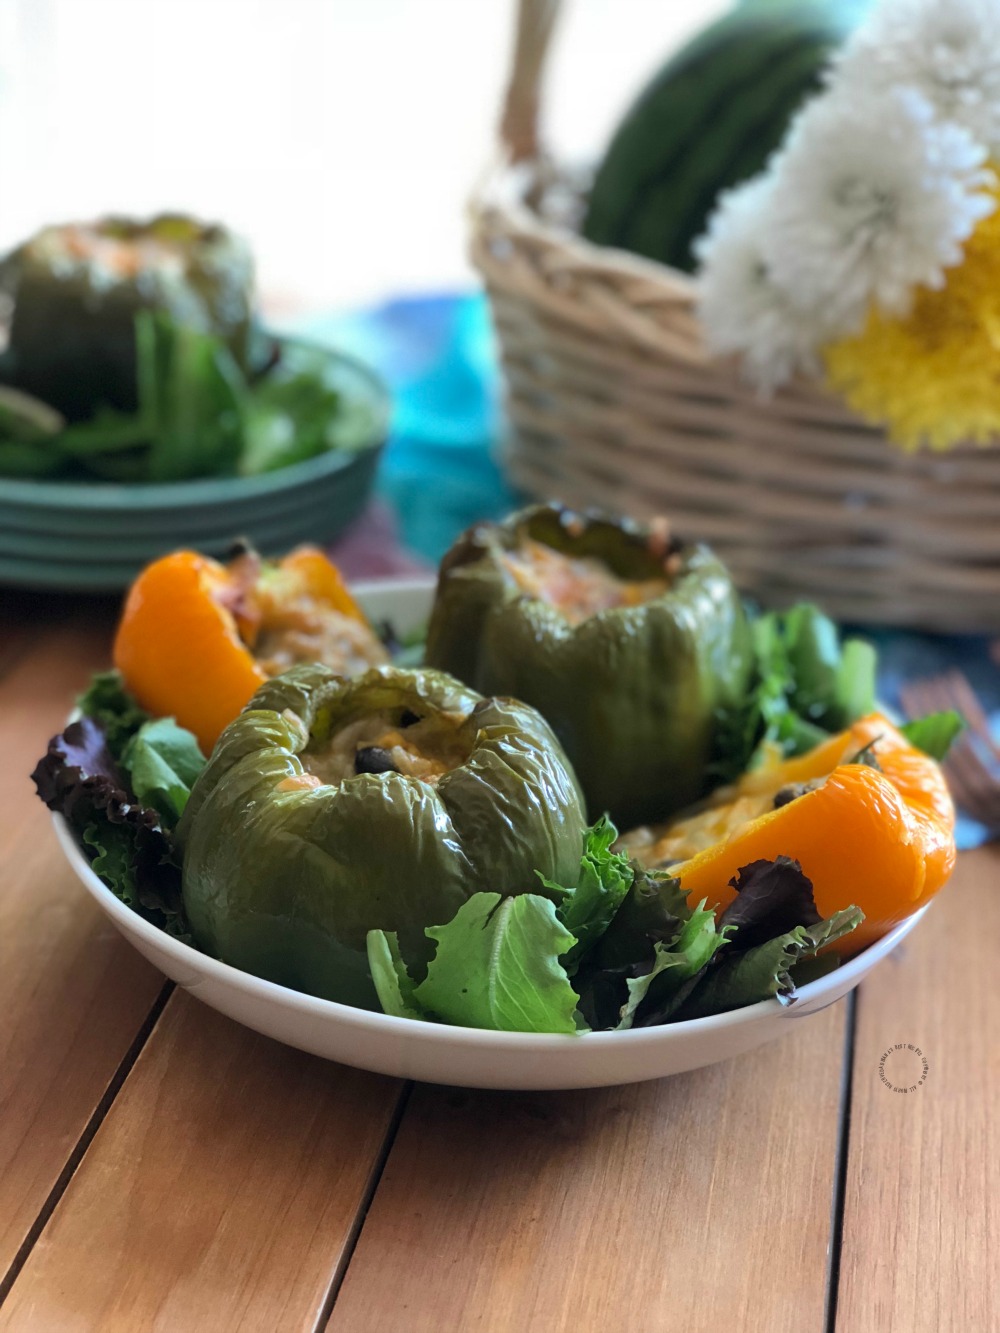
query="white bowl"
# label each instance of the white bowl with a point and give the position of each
(467, 1057)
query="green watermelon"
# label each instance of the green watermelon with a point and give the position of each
(708, 120)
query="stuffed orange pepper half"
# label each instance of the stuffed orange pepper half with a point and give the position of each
(197, 638)
(866, 814)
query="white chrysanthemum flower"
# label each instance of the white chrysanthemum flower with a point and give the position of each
(872, 197)
(740, 308)
(949, 50)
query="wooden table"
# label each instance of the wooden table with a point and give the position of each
(162, 1168)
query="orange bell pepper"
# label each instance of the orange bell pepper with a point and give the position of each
(184, 645)
(879, 838)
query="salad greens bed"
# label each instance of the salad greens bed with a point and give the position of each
(121, 779)
(619, 948)
(199, 414)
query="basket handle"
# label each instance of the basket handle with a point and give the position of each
(519, 121)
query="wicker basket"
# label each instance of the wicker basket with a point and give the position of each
(613, 402)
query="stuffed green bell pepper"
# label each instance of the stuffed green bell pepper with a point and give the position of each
(332, 807)
(630, 644)
(77, 289)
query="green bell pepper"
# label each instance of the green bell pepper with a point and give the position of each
(634, 693)
(77, 289)
(285, 880)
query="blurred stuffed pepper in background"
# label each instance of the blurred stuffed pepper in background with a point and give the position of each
(632, 645)
(334, 807)
(78, 288)
(197, 637)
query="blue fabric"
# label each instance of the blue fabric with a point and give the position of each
(441, 471)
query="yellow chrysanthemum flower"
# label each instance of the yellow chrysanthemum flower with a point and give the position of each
(933, 376)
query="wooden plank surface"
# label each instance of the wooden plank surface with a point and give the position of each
(922, 1216)
(221, 1191)
(73, 994)
(699, 1202)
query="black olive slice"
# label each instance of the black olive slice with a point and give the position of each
(373, 759)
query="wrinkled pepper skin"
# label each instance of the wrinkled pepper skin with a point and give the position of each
(632, 693)
(184, 644)
(881, 838)
(286, 883)
(78, 288)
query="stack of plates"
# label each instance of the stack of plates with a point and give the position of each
(95, 537)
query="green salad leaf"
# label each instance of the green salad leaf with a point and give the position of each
(812, 968)
(653, 911)
(652, 915)
(506, 963)
(116, 712)
(141, 871)
(807, 684)
(114, 859)
(934, 734)
(832, 683)
(26, 424)
(664, 987)
(763, 972)
(295, 412)
(189, 421)
(662, 961)
(192, 395)
(163, 760)
(393, 983)
(20, 458)
(587, 908)
(110, 443)
(496, 966)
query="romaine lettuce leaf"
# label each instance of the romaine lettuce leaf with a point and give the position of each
(854, 686)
